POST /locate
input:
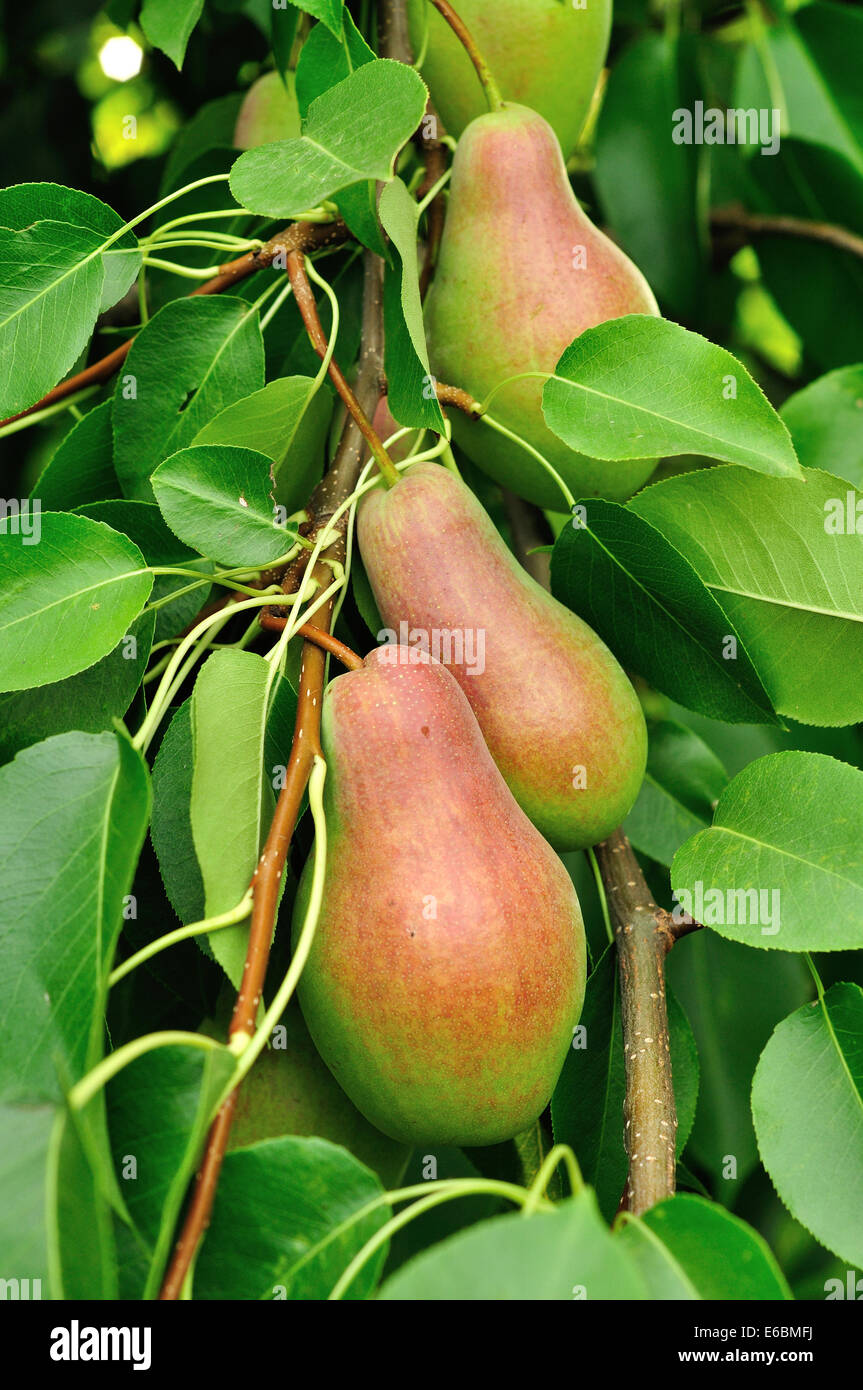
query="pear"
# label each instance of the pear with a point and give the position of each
(560, 717)
(447, 970)
(291, 1091)
(543, 53)
(269, 112)
(523, 271)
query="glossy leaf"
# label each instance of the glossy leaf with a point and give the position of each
(218, 498)
(826, 424)
(168, 25)
(807, 1105)
(339, 146)
(411, 398)
(554, 1256)
(648, 604)
(231, 801)
(781, 865)
(682, 784)
(194, 358)
(67, 601)
(288, 421)
(73, 814)
(688, 1248)
(640, 386)
(791, 583)
(82, 469)
(282, 1227)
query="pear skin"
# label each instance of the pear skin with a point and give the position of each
(544, 54)
(559, 715)
(447, 971)
(523, 271)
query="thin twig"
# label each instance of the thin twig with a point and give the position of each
(307, 236)
(752, 224)
(337, 484)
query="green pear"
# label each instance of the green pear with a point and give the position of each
(269, 112)
(523, 271)
(546, 54)
(447, 971)
(560, 718)
(291, 1091)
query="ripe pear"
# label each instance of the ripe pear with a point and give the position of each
(447, 971)
(269, 112)
(291, 1091)
(560, 718)
(546, 54)
(523, 271)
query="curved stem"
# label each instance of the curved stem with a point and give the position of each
(226, 919)
(483, 71)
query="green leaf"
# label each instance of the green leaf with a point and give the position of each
(282, 1223)
(73, 814)
(407, 363)
(733, 997)
(89, 701)
(688, 1248)
(25, 1139)
(51, 284)
(639, 386)
(325, 61)
(791, 587)
(67, 601)
(232, 801)
(159, 1108)
(647, 602)
(826, 424)
(26, 203)
(781, 866)
(288, 421)
(339, 146)
(812, 56)
(807, 1106)
(142, 522)
(682, 784)
(83, 1258)
(168, 25)
(329, 12)
(194, 358)
(218, 498)
(82, 469)
(554, 1256)
(211, 126)
(647, 184)
(171, 825)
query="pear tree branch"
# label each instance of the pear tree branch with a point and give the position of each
(644, 933)
(749, 225)
(338, 483)
(299, 236)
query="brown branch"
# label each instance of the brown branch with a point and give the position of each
(435, 155)
(336, 485)
(751, 224)
(641, 933)
(461, 399)
(644, 934)
(271, 623)
(308, 236)
(304, 296)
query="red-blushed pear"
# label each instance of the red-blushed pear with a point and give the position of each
(269, 112)
(447, 971)
(523, 271)
(546, 54)
(560, 718)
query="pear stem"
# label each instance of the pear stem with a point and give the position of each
(483, 71)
